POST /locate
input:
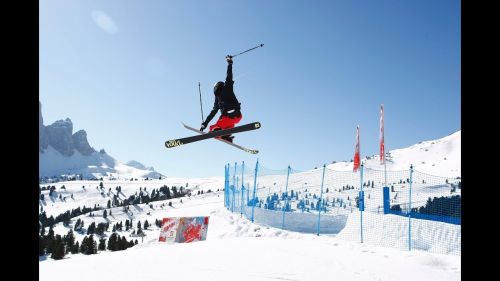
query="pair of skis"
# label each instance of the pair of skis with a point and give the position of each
(203, 135)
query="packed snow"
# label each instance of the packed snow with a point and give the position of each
(237, 249)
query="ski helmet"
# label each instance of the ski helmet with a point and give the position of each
(218, 86)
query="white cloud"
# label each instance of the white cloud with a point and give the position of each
(104, 22)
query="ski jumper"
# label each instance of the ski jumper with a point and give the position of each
(226, 102)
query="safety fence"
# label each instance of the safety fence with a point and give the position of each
(404, 209)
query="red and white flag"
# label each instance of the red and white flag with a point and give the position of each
(382, 146)
(356, 152)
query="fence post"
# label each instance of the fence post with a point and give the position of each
(236, 190)
(226, 186)
(234, 186)
(286, 198)
(359, 203)
(409, 212)
(242, 187)
(248, 195)
(321, 197)
(255, 185)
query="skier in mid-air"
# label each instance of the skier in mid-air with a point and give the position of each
(226, 102)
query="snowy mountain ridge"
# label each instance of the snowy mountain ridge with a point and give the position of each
(63, 153)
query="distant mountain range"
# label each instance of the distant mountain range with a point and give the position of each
(62, 152)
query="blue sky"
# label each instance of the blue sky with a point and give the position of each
(127, 72)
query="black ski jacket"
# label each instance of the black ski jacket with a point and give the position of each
(226, 101)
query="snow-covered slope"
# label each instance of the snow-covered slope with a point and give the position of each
(235, 249)
(441, 157)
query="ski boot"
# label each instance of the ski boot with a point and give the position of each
(228, 138)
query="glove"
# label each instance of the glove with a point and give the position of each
(229, 59)
(203, 126)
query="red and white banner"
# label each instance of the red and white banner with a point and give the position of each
(183, 229)
(382, 145)
(356, 152)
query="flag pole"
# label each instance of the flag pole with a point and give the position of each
(382, 142)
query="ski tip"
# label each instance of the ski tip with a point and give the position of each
(173, 143)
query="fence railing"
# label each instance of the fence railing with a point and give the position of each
(403, 209)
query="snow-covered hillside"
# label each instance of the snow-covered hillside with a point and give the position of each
(441, 157)
(235, 249)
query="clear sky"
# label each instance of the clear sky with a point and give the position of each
(127, 72)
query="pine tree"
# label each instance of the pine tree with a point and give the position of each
(91, 229)
(42, 230)
(146, 224)
(123, 243)
(139, 225)
(100, 229)
(105, 214)
(58, 252)
(75, 248)
(102, 244)
(112, 245)
(91, 245)
(41, 245)
(51, 233)
(69, 240)
(49, 241)
(83, 247)
(77, 225)
(119, 243)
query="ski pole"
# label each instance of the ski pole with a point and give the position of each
(232, 56)
(201, 105)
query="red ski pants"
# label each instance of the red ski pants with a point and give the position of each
(225, 122)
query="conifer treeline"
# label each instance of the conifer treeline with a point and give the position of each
(58, 246)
